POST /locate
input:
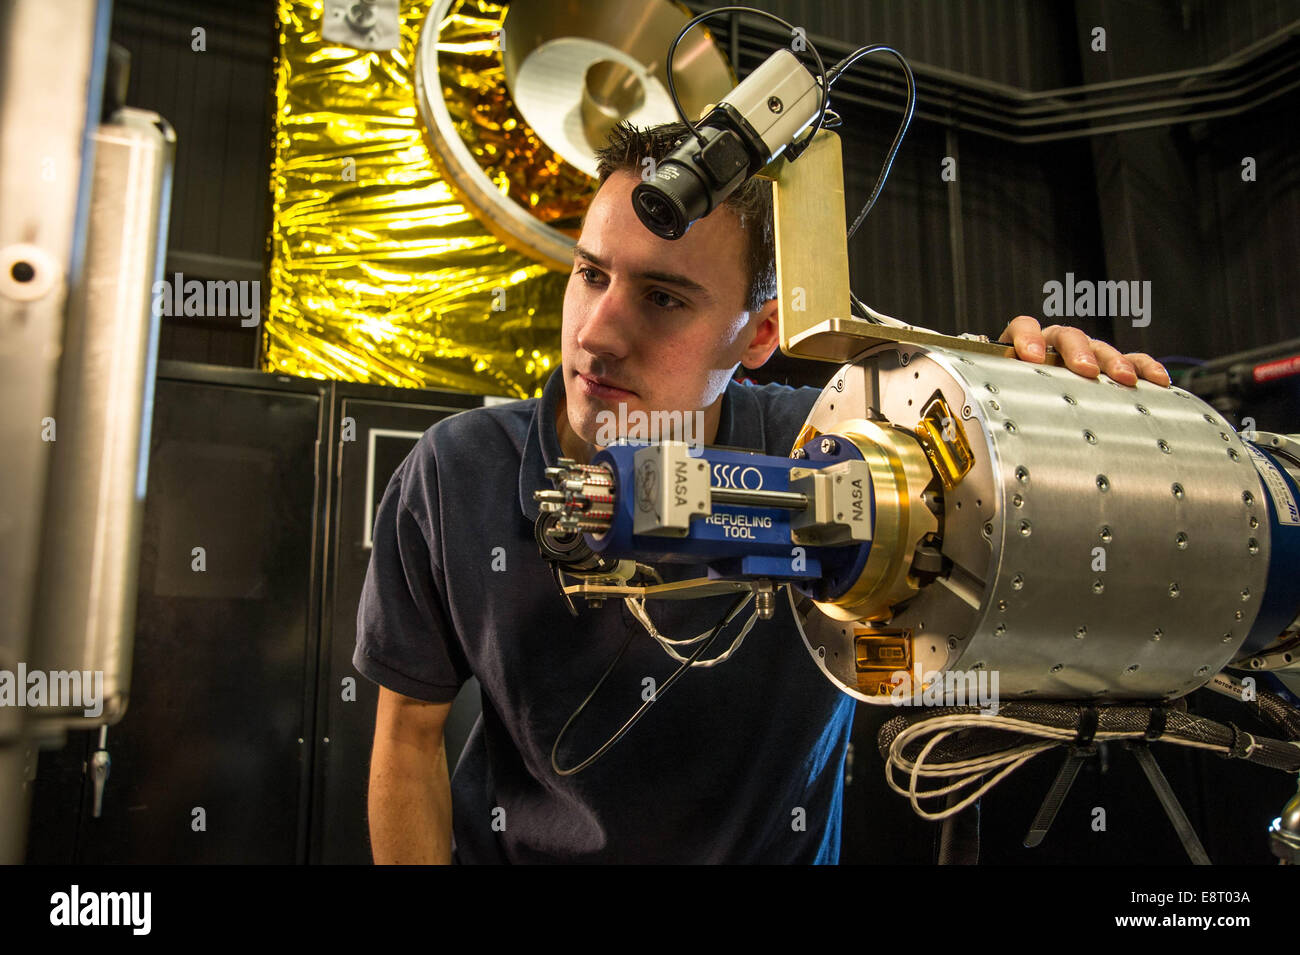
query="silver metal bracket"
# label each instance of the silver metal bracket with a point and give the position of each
(671, 488)
(839, 504)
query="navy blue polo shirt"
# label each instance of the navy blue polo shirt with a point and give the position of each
(740, 762)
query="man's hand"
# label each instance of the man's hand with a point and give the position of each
(1081, 354)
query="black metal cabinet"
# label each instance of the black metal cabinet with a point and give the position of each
(374, 430)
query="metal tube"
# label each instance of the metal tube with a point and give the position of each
(789, 500)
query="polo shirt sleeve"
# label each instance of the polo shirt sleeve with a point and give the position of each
(405, 641)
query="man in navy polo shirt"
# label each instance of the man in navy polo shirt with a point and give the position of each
(739, 762)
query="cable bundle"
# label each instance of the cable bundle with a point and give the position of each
(962, 743)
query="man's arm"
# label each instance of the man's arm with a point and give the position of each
(410, 793)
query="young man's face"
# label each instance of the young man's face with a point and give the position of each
(657, 325)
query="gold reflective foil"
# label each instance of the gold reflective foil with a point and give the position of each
(474, 88)
(378, 272)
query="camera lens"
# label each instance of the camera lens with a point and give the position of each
(659, 212)
(656, 209)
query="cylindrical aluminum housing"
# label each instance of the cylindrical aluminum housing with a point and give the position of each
(1108, 542)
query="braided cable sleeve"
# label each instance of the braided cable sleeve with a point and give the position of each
(1014, 727)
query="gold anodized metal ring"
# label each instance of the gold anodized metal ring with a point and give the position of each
(900, 471)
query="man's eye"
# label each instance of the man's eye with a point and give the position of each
(589, 275)
(664, 300)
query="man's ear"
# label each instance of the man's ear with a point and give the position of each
(766, 335)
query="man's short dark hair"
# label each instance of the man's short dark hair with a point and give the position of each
(629, 147)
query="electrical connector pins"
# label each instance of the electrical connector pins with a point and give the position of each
(583, 498)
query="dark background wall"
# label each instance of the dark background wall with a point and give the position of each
(1165, 204)
(220, 103)
(1221, 252)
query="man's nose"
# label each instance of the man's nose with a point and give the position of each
(608, 325)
